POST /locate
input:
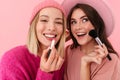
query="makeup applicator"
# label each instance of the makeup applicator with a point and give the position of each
(93, 34)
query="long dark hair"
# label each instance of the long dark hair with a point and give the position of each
(96, 21)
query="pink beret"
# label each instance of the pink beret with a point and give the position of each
(45, 4)
(101, 7)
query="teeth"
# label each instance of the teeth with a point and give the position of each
(80, 33)
(49, 35)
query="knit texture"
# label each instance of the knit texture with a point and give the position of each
(19, 64)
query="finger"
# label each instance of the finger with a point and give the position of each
(52, 56)
(105, 48)
(59, 63)
(92, 54)
(100, 53)
(97, 60)
(53, 64)
(100, 48)
(44, 54)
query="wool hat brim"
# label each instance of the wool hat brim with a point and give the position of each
(101, 7)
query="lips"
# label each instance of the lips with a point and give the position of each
(50, 35)
(81, 34)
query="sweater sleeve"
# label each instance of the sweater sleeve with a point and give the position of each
(44, 75)
(56, 75)
(12, 69)
(109, 70)
(18, 64)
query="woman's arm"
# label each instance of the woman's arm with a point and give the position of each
(96, 56)
(84, 71)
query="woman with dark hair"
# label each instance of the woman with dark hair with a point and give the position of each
(86, 60)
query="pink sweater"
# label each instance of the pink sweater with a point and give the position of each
(107, 70)
(19, 64)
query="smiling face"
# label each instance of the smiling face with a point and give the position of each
(49, 26)
(80, 27)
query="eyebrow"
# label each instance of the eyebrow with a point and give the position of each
(80, 17)
(43, 16)
(83, 16)
(48, 17)
(58, 18)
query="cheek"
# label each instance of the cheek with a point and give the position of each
(89, 27)
(39, 29)
(72, 30)
(59, 30)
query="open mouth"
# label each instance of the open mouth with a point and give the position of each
(81, 34)
(50, 35)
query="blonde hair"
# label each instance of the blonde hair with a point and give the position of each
(33, 43)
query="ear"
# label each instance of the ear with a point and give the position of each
(59, 1)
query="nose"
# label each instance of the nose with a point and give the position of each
(79, 25)
(51, 26)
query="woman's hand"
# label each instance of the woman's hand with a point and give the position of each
(96, 56)
(52, 62)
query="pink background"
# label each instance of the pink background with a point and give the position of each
(14, 22)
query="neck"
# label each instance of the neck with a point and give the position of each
(88, 47)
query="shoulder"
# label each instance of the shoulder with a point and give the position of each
(115, 58)
(14, 63)
(106, 68)
(69, 42)
(106, 64)
(16, 59)
(115, 62)
(14, 54)
(16, 51)
(68, 48)
(111, 64)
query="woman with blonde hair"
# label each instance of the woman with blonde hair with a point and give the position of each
(32, 61)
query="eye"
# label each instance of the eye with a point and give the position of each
(59, 22)
(85, 20)
(73, 22)
(43, 20)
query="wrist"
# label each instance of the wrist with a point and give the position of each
(85, 70)
(84, 62)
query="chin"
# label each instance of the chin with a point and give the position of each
(82, 43)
